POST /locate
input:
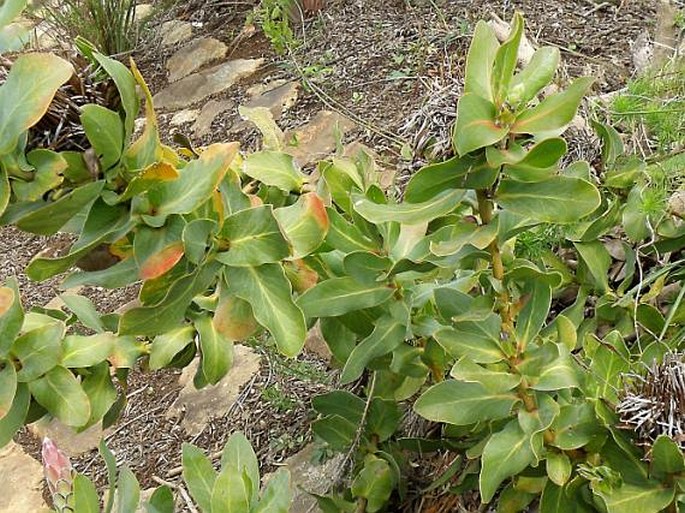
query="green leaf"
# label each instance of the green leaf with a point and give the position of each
(461, 404)
(60, 393)
(305, 223)
(166, 315)
(119, 275)
(535, 76)
(27, 93)
(479, 340)
(238, 453)
(387, 334)
(540, 163)
(9, 10)
(466, 370)
(607, 366)
(480, 60)
(48, 219)
(105, 132)
(345, 236)
(100, 390)
(375, 483)
(84, 309)
(596, 262)
(196, 239)
(558, 467)
(232, 491)
(86, 498)
(169, 344)
(463, 233)
(14, 419)
(557, 200)
(455, 173)
(365, 266)
(566, 332)
(254, 238)
(49, 168)
(338, 296)
(11, 315)
(553, 114)
(560, 373)
(276, 497)
(38, 350)
(340, 402)
(199, 475)
(574, 427)
(126, 85)
(408, 213)
(161, 501)
(275, 169)
(383, 418)
(195, 183)
(651, 497)
(148, 178)
(263, 119)
(505, 61)
(5, 191)
(612, 145)
(128, 491)
(86, 350)
(476, 125)
(8, 387)
(342, 177)
(217, 352)
(625, 172)
(336, 431)
(534, 312)
(667, 458)
(268, 291)
(506, 453)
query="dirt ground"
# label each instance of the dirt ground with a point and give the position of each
(395, 67)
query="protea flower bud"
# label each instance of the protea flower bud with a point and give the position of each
(654, 404)
(58, 474)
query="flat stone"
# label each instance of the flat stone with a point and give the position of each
(677, 203)
(277, 100)
(208, 114)
(66, 438)
(175, 31)
(198, 86)
(258, 89)
(316, 139)
(143, 11)
(316, 344)
(184, 116)
(193, 56)
(308, 477)
(21, 482)
(212, 401)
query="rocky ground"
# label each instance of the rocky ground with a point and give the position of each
(385, 74)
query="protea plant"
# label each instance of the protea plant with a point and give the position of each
(59, 475)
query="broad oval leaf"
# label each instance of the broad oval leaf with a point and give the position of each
(557, 200)
(38, 350)
(476, 125)
(86, 351)
(61, 394)
(238, 453)
(535, 76)
(479, 340)
(11, 315)
(100, 390)
(553, 114)
(277, 496)
(269, 293)
(274, 168)
(506, 453)
(217, 352)
(338, 296)
(8, 387)
(27, 92)
(199, 475)
(166, 346)
(480, 60)
(232, 492)
(86, 498)
(305, 223)
(105, 132)
(233, 319)
(408, 213)
(161, 262)
(459, 403)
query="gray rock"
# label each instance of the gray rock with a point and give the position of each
(316, 139)
(198, 86)
(175, 31)
(208, 114)
(66, 438)
(200, 406)
(309, 477)
(193, 56)
(21, 482)
(184, 116)
(277, 100)
(143, 11)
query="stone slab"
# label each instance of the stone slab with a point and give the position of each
(208, 114)
(277, 100)
(200, 406)
(66, 438)
(198, 86)
(193, 56)
(184, 116)
(175, 31)
(316, 139)
(21, 482)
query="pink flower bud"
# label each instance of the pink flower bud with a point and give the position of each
(58, 472)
